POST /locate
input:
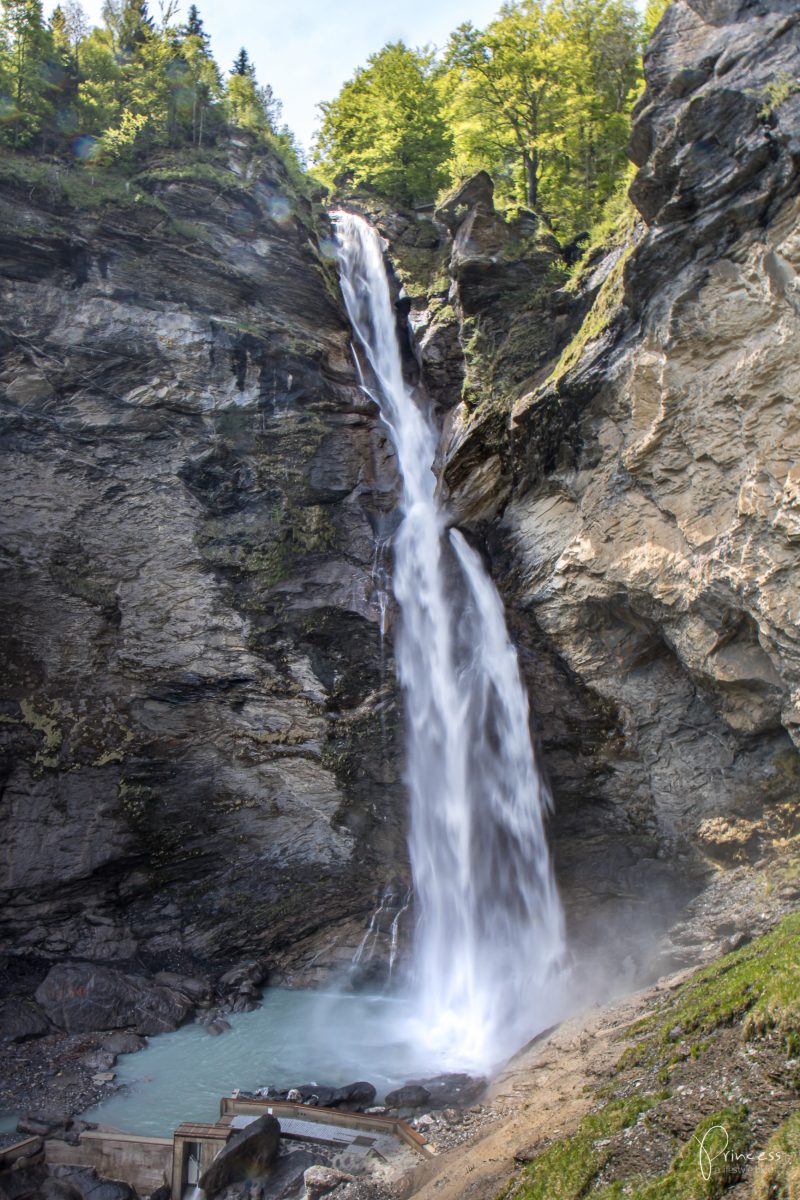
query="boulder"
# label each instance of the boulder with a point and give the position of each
(246, 1155)
(22, 1183)
(22, 1019)
(122, 1043)
(354, 1095)
(477, 190)
(194, 989)
(60, 1189)
(252, 971)
(82, 997)
(454, 1090)
(321, 1181)
(44, 1125)
(412, 1095)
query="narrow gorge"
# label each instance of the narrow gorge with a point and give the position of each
(279, 463)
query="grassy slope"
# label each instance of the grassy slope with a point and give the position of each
(743, 1008)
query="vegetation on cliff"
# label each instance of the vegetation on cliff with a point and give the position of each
(124, 89)
(540, 99)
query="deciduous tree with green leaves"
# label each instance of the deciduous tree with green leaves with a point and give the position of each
(541, 98)
(386, 128)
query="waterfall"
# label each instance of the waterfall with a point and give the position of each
(489, 938)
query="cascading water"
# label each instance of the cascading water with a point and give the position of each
(490, 937)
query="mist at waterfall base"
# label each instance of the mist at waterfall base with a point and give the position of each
(489, 944)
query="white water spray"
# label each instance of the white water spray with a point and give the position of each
(490, 934)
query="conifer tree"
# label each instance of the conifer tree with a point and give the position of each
(26, 46)
(242, 65)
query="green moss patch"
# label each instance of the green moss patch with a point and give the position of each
(778, 1171)
(758, 985)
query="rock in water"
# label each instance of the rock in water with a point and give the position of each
(81, 998)
(91, 1186)
(354, 1095)
(246, 1156)
(410, 1096)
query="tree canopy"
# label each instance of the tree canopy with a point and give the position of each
(124, 87)
(386, 127)
(540, 98)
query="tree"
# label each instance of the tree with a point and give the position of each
(197, 75)
(386, 128)
(242, 65)
(26, 48)
(134, 28)
(510, 77)
(194, 29)
(541, 99)
(64, 71)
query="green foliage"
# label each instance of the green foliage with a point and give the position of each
(567, 1168)
(119, 91)
(385, 129)
(707, 1165)
(26, 51)
(777, 92)
(653, 12)
(541, 99)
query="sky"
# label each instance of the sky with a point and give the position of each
(307, 48)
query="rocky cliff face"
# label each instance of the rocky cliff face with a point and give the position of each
(639, 497)
(198, 709)
(200, 752)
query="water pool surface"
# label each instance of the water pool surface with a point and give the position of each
(296, 1037)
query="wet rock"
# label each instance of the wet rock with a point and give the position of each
(354, 1095)
(239, 494)
(195, 990)
(21, 1019)
(60, 1189)
(246, 1155)
(453, 1090)
(321, 1181)
(22, 1183)
(80, 997)
(123, 1043)
(411, 1095)
(99, 1060)
(217, 1026)
(251, 972)
(44, 1124)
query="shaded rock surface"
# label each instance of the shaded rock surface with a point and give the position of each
(197, 709)
(81, 997)
(244, 1156)
(21, 1019)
